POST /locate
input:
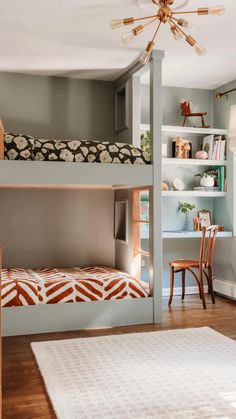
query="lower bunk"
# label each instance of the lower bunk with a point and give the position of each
(48, 300)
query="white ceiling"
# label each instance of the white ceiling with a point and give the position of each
(73, 38)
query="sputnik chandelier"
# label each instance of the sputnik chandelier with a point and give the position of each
(165, 15)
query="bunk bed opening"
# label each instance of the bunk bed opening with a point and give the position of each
(73, 293)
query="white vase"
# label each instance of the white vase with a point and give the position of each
(207, 181)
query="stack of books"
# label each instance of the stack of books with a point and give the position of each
(215, 146)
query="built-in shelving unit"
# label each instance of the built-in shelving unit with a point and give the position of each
(186, 130)
(192, 162)
(193, 194)
(191, 234)
(216, 202)
(192, 130)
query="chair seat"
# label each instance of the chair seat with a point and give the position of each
(185, 263)
(195, 114)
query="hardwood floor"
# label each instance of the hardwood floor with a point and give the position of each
(24, 396)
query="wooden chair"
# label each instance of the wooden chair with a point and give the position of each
(203, 265)
(186, 112)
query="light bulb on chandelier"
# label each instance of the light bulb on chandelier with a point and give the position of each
(217, 10)
(164, 14)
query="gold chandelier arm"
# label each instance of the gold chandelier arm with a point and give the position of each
(150, 21)
(144, 18)
(157, 29)
(191, 12)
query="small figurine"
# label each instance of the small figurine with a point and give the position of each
(186, 151)
(178, 148)
(201, 155)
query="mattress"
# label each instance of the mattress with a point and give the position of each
(26, 287)
(25, 147)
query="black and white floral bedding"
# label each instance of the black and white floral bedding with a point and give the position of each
(24, 147)
(19, 147)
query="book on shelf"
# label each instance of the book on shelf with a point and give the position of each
(215, 146)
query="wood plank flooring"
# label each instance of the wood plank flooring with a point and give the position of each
(24, 396)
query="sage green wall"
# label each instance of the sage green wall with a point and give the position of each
(56, 228)
(202, 101)
(57, 106)
(225, 260)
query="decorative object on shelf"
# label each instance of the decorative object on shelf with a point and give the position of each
(185, 208)
(207, 145)
(181, 148)
(164, 186)
(205, 218)
(196, 224)
(178, 185)
(164, 150)
(163, 15)
(219, 175)
(214, 146)
(201, 155)
(145, 141)
(186, 109)
(221, 228)
(206, 180)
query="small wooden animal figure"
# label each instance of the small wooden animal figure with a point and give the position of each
(186, 108)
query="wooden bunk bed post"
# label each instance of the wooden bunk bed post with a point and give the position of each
(156, 199)
(2, 132)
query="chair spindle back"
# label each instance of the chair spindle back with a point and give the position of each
(208, 245)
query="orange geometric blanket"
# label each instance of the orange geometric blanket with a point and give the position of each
(25, 287)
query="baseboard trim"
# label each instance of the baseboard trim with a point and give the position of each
(178, 291)
(225, 287)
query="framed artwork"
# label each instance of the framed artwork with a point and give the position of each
(205, 218)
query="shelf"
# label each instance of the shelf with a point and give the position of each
(193, 130)
(36, 174)
(193, 194)
(191, 234)
(192, 162)
(186, 130)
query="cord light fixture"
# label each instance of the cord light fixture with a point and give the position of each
(174, 20)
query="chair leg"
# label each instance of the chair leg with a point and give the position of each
(183, 284)
(184, 121)
(202, 289)
(210, 284)
(172, 277)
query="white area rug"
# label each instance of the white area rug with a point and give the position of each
(187, 373)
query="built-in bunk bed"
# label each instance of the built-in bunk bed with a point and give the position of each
(92, 296)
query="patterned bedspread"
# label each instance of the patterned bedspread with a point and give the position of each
(24, 287)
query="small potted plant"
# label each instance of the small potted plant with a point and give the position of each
(146, 142)
(185, 208)
(206, 180)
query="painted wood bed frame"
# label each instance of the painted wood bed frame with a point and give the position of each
(75, 316)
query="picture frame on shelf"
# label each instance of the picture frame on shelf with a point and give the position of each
(205, 218)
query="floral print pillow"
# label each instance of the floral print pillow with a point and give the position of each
(89, 151)
(18, 147)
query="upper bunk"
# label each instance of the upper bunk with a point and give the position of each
(25, 162)
(122, 165)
